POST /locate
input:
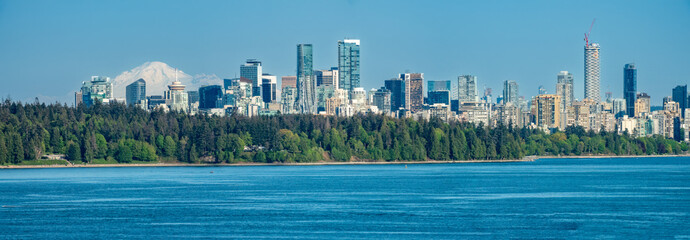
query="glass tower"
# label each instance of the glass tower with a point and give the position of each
(348, 64)
(510, 92)
(467, 88)
(135, 92)
(680, 95)
(252, 71)
(305, 78)
(630, 88)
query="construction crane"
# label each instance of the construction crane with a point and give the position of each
(588, 32)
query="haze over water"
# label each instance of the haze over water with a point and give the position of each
(549, 198)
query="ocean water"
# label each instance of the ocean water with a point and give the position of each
(629, 198)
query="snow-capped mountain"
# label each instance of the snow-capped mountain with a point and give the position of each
(158, 76)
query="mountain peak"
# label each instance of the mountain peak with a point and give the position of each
(158, 75)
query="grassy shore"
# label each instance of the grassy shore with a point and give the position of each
(65, 164)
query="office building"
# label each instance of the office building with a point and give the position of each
(98, 89)
(438, 85)
(592, 70)
(382, 100)
(467, 88)
(396, 87)
(510, 92)
(306, 86)
(135, 92)
(680, 95)
(630, 88)
(212, 97)
(348, 64)
(327, 77)
(252, 71)
(439, 97)
(268, 88)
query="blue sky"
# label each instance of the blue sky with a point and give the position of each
(47, 48)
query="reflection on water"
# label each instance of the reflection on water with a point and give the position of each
(550, 198)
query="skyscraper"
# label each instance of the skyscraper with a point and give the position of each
(438, 85)
(252, 71)
(630, 88)
(439, 96)
(592, 72)
(288, 81)
(416, 91)
(396, 86)
(546, 109)
(348, 64)
(210, 97)
(98, 89)
(467, 88)
(268, 87)
(135, 92)
(564, 88)
(382, 100)
(406, 77)
(327, 77)
(305, 78)
(680, 95)
(510, 92)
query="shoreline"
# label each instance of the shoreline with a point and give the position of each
(525, 159)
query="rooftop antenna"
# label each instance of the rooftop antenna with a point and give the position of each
(175, 74)
(588, 32)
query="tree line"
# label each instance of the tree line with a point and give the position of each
(117, 132)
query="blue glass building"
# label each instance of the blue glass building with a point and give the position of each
(348, 64)
(210, 97)
(630, 88)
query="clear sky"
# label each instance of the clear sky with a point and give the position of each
(47, 48)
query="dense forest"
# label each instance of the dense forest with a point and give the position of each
(117, 133)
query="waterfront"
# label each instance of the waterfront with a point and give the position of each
(547, 198)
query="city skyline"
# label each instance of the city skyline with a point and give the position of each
(382, 56)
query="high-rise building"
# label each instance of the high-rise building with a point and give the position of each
(327, 77)
(396, 87)
(546, 109)
(438, 85)
(642, 105)
(348, 64)
(407, 79)
(564, 88)
(268, 87)
(98, 89)
(211, 97)
(630, 88)
(592, 70)
(619, 107)
(416, 91)
(135, 92)
(252, 71)
(439, 96)
(306, 86)
(467, 88)
(176, 98)
(510, 92)
(382, 100)
(680, 95)
(288, 81)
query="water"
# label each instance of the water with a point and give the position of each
(549, 198)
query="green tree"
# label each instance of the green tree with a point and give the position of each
(124, 153)
(73, 152)
(169, 146)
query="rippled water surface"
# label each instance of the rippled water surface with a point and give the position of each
(549, 198)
